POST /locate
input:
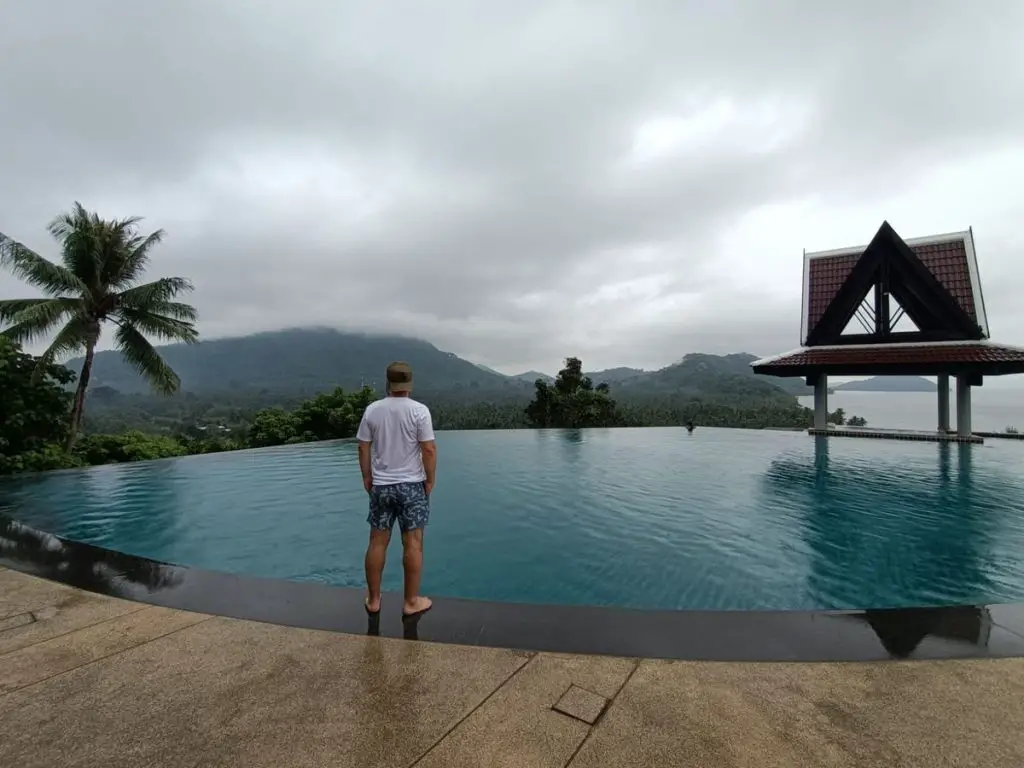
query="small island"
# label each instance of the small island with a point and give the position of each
(888, 384)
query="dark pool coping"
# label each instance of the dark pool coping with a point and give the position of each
(991, 631)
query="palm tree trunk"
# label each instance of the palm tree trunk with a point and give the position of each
(83, 384)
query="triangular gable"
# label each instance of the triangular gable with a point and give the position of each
(888, 266)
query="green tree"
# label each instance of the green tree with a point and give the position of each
(572, 401)
(97, 280)
(273, 426)
(327, 416)
(34, 407)
(333, 415)
(837, 417)
(129, 446)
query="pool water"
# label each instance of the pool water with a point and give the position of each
(646, 518)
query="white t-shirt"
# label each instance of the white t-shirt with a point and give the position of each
(396, 426)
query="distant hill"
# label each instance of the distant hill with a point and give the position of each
(713, 375)
(717, 374)
(888, 384)
(488, 369)
(304, 361)
(299, 360)
(611, 376)
(615, 376)
(531, 376)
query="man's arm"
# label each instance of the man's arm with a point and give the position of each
(428, 448)
(365, 437)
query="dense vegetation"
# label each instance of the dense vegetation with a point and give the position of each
(97, 281)
(36, 405)
(572, 401)
(233, 411)
(709, 389)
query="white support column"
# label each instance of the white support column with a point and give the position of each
(821, 402)
(963, 406)
(943, 391)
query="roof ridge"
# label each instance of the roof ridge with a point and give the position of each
(949, 259)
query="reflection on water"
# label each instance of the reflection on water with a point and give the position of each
(571, 436)
(902, 631)
(881, 532)
(111, 573)
(572, 443)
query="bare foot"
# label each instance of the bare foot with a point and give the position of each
(372, 606)
(417, 605)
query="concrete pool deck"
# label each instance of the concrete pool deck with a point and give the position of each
(90, 680)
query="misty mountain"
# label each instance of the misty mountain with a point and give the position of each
(611, 376)
(531, 376)
(309, 360)
(615, 376)
(720, 375)
(304, 360)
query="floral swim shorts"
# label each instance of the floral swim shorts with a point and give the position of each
(407, 503)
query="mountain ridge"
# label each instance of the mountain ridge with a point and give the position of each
(888, 384)
(309, 360)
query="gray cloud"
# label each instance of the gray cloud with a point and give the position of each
(521, 182)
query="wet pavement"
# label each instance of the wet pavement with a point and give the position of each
(91, 680)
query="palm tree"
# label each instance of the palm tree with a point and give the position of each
(97, 281)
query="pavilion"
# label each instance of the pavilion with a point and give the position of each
(853, 299)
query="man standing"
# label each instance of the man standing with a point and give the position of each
(398, 459)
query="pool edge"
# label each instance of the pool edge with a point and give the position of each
(930, 633)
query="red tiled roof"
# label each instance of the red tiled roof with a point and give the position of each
(947, 261)
(896, 354)
(826, 276)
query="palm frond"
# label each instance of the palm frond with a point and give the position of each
(162, 326)
(39, 319)
(26, 264)
(176, 309)
(139, 353)
(66, 224)
(123, 272)
(162, 291)
(80, 235)
(11, 308)
(69, 339)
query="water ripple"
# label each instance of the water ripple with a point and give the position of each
(654, 518)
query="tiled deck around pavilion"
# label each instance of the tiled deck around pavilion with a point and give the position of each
(897, 434)
(87, 680)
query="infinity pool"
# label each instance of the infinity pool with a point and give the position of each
(646, 518)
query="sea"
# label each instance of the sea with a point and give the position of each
(993, 409)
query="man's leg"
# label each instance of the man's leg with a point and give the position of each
(412, 564)
(376, 557)
(413, 518)
(381, 519)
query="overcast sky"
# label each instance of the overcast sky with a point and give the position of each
(519, 181)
